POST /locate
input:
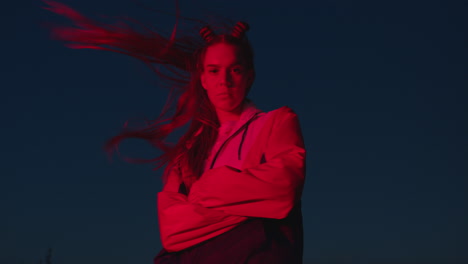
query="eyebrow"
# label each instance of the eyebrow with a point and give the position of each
(216, 65)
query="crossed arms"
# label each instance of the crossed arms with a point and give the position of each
(223, 197)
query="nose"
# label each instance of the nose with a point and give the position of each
(226, 79)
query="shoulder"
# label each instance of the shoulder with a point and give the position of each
(285, 110)
(281, 121)
(281, 114)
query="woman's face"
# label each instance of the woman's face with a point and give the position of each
(225, 77)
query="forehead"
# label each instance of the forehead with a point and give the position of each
(222, 54)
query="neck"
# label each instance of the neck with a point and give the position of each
(225, 116)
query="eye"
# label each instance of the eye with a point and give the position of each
(213, 71)
(237, 70)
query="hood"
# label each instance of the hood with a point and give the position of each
(229, 130)
(249, 111)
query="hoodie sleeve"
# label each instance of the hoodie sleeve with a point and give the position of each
(183, 224)
(268, 190)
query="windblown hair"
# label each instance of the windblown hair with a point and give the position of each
(182, 58)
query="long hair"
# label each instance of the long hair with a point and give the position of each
(182, 60)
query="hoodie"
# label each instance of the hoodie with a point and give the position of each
(247, 199)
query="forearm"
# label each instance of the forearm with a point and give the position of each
(269, 189)
(183, 224)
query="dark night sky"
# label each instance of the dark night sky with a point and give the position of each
(380, 88)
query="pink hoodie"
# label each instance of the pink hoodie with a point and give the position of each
(256, 170)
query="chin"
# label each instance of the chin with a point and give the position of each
(230, 107)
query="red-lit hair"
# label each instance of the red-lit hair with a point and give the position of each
(182, 58)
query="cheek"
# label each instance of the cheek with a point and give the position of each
(203, 81)
(244, 82)
(208, 82)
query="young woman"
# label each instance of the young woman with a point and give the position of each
(233, 182)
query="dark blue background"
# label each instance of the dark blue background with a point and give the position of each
(380, 88)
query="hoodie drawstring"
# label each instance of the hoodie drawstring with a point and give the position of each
(242, 142)
(232, 136)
